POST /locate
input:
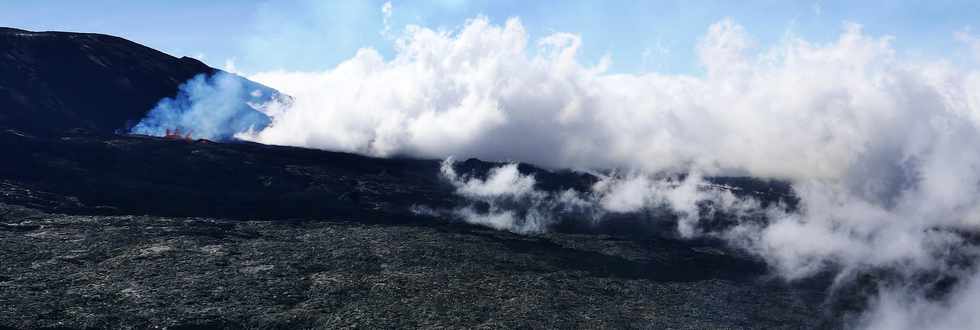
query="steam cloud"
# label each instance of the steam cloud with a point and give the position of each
(215, 107)
(880, 150)
(514, 203)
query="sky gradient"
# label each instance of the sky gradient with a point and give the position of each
(638, 36)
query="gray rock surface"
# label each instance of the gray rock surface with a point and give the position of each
(160, 272)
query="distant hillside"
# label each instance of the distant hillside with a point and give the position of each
(51, 82)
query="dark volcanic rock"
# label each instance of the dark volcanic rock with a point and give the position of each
(144, 175)
(55, 81)
(140, 271)
(85, 174)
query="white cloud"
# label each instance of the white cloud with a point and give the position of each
(506, 191)
(685, 198)
(230, 66)
(967, 38)
(501, 181)
(896, 308)
(477, 92)
(386, 11)
(199, 56)
(515, 204)
(653, 57)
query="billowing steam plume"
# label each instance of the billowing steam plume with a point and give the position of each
(212, 107)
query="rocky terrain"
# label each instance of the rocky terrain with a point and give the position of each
(145, 271)
(100, 229)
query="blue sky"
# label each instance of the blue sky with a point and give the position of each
(638, 35)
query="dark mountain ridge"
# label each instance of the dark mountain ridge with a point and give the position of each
(51, 82)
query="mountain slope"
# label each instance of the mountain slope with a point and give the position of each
(51, 82)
